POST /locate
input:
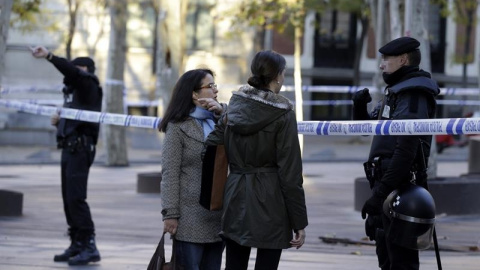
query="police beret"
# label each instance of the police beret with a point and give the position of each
(85, 62)
(399, 46)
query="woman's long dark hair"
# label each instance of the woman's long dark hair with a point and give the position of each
(181, 103)
(265, 67)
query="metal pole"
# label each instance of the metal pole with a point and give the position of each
(408, 17)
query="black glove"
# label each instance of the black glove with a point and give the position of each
(371, 225)
(373, 206)
(362, 96)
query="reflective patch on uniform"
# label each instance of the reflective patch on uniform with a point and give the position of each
(386, 112)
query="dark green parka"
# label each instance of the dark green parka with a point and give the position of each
(264, 200)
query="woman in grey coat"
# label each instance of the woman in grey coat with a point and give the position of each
(191, 115)
(264, 201)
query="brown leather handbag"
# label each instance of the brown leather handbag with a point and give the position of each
(214, 177)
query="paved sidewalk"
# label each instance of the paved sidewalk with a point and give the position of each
(129, 223)
(144, 146)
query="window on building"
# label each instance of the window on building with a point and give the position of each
(334, 30)
(335, 39)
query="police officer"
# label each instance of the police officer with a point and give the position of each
(77, 140)
(396, 161)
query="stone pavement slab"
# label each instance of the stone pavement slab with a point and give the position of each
(129, 224)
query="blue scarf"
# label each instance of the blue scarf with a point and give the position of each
(205, 119)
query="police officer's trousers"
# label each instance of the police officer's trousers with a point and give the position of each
(75, 166)
(391, 256)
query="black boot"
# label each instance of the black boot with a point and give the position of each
(88, 253)
(71, 251)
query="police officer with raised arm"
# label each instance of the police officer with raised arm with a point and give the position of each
(396, 161)
(77, 139)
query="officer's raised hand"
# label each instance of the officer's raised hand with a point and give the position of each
(362, 96)
(39, 51)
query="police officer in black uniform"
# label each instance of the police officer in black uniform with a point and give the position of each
(396, 161)
(77, 140)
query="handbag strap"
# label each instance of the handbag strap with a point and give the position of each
(174, 244)
(160, 248)
(158, 258)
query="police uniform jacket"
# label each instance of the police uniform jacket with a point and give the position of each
(264, 200)
(82, 91)
(181, 182)
(410, 97)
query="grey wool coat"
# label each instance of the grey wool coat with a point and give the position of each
(264, 200)
(181, 181)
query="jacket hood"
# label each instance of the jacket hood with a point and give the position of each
(251, 109)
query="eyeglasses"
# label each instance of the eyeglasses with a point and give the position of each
(210, 85)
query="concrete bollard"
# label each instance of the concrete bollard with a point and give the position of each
(474, 156)
(11, 203)
(453, 195)
(149, 182)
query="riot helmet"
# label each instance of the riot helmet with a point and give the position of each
(411, 210)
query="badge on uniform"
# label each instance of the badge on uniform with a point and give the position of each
(386, 111)
(68, 98)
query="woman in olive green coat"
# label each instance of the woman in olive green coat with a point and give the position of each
(264, 201)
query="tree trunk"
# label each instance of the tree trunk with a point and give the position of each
(259, 39)
(419, 30)
(162, 72)
(156, 37)
(358, 50)
(72, 14)
(466, 49)
(297, 76)
(5, 11)
(395, 20)
(114, 138)
(173, 43)
(379, 11)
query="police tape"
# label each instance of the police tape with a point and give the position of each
(334, 102)
(82, 115)
(441, 126)
(453, 126)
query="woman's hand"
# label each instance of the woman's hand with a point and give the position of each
(54, 119)
(211, 105)
(299, 239)
(170, 225)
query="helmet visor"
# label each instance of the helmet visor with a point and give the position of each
(416, 236)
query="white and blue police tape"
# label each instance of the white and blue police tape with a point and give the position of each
(349, 102)
(328, 128)
(82, 115)
(392, 127)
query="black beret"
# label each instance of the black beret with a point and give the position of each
(399, 46)
(85, 62)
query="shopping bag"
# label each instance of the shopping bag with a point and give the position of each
(157, 262)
